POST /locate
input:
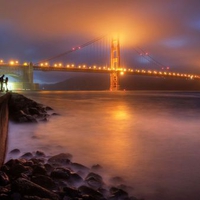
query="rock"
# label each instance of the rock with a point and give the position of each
(26, 187)
(48, 108)
(33, 111)
(62, 158)
(44, 181)
(75, 179)
(89, 191)
(34, 198)
(23, 109)
(71, 192)
(29, 163)
(16, 196)
(39, 170)
(4, 179)
(60, 173)
(17, 169)
(96, 167)
(37, 161)
(79, 167)
(94, 180)
(5, 189)
(48, 167)
(4, 197)
(118, 193)
(14, 151)
(55, 114)
(40, 154)
(27, 155)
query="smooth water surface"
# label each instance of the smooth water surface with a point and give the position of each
(151, 139)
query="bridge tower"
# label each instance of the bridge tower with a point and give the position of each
(115, 63)
(28, 76)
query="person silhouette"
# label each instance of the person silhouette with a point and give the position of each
(1, 82)
(6, 84)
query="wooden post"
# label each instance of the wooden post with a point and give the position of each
(4, 119)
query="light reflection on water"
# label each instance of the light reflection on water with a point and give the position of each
(149, 138)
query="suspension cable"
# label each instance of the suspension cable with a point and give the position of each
(73, 49)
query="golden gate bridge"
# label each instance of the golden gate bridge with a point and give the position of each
(96, 59)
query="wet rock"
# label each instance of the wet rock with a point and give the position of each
(16, 196)
(5, 169)
(27, 155)
(88, 197)
(26, 187)
(4, 197)
(33, 111)
(89, 191)
(79, 167)
(62, 158)
(118, 193)
(96, 167)
(75, 179)
(55, 114)
(5, 189)
(71, 192)
(37, 161)
(40, 154)
(12, 162)
(116, 180)
(14, 151)
(60, 173)
(29, 163)
(4, 179)
(22, 117)
(39, 170)
(48, 167)
(48, 108)
(34, 198)
(18, 169)
(94, 180)
(44, 181)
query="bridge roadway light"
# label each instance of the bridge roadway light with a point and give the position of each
(11, 62)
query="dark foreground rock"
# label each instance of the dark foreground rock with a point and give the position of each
(55, 178)
(23, 109)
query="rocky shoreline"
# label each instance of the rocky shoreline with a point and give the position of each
(35, 176)
(25, 110)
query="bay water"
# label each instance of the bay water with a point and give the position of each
(149, 138)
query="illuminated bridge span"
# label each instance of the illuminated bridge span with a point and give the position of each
(24, 72)
(120, 71)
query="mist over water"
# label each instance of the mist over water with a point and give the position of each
(151, 139)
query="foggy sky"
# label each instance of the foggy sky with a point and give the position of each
(31, 30)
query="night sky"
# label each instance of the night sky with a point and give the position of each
(169, 30)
